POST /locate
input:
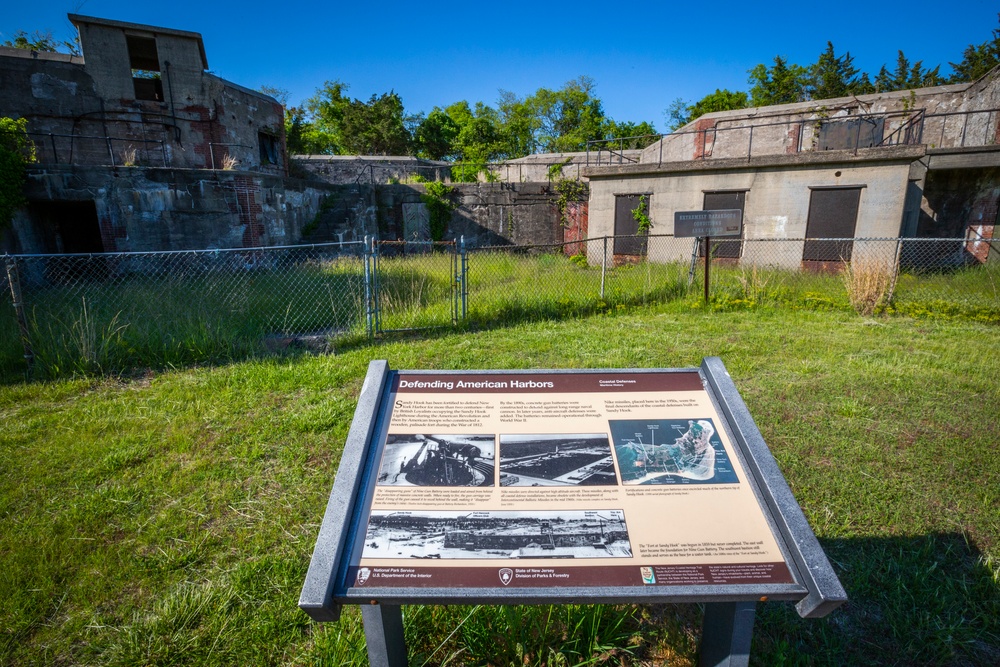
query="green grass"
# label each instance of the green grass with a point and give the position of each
(168, 518)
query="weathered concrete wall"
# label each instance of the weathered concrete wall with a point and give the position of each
(81, 102)
(368, 170)
(145, 209)
(790, 128)
(546, 167)
(385, 170)
(777, 199)
(500, 214)
(485, 214)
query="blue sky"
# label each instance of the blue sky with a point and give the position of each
(642, 55)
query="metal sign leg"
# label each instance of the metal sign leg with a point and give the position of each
(726, 634)
(384, 635)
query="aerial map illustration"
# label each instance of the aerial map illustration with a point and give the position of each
(671, 451)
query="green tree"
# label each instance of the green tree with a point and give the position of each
(479, 139)
(16, 150)
(907, 76)
(567, 118)
(680, 114)
(321, 119)
(518, 126)
(782, 83)
(636, 135)
(335, 124)
(977, 59)
(836, 76)
(42, 42)
(375, 127)
(435, 135)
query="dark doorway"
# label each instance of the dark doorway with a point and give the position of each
(833, 214)
(68, 226)
(627, 227)
(717, 201)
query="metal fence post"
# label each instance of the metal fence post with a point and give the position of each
(13, 279)
(895, 272)
(464, 277)
(604, 265)
(456, 286)
(368, 288)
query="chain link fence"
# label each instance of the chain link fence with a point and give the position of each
(87, 313)
(110, 312)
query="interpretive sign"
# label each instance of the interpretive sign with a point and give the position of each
(722, 222)
(548, 486)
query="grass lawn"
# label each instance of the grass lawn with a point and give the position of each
(168, 518)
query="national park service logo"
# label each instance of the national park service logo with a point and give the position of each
(506, 575)
(363, 575)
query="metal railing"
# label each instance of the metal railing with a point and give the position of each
(110, 312)
(46, 144)
(978, 129)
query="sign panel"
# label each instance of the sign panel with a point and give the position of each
(527, 480)
(722, 222)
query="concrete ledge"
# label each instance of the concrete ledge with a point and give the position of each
(886, 154)
(969, 157)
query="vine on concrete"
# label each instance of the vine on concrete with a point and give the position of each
(16, 150)
(641, 215)
(438, 198)
(569, 190)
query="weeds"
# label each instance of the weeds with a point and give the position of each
(129, 156)
(869, 284)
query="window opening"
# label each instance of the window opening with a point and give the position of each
(145, 64)
(269, 153)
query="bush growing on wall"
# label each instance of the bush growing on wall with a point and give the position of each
(16, 150)
(438, 199)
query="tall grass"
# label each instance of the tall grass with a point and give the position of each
(868, 285)
(171, 319)
(141, 321)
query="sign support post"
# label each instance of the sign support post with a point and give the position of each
(384, 635)
(726, 634)
(708, 263)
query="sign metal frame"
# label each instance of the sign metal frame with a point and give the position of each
(716, 222)
(729, 610)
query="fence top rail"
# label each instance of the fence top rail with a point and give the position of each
(405, 242)
(215, 251)
(486, 248)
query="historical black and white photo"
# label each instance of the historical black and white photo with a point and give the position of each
(578, 459)
(438, 460)
(497, 534)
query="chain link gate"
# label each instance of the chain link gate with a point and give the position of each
(415, 285)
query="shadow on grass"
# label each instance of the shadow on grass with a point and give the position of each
(932, 599)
